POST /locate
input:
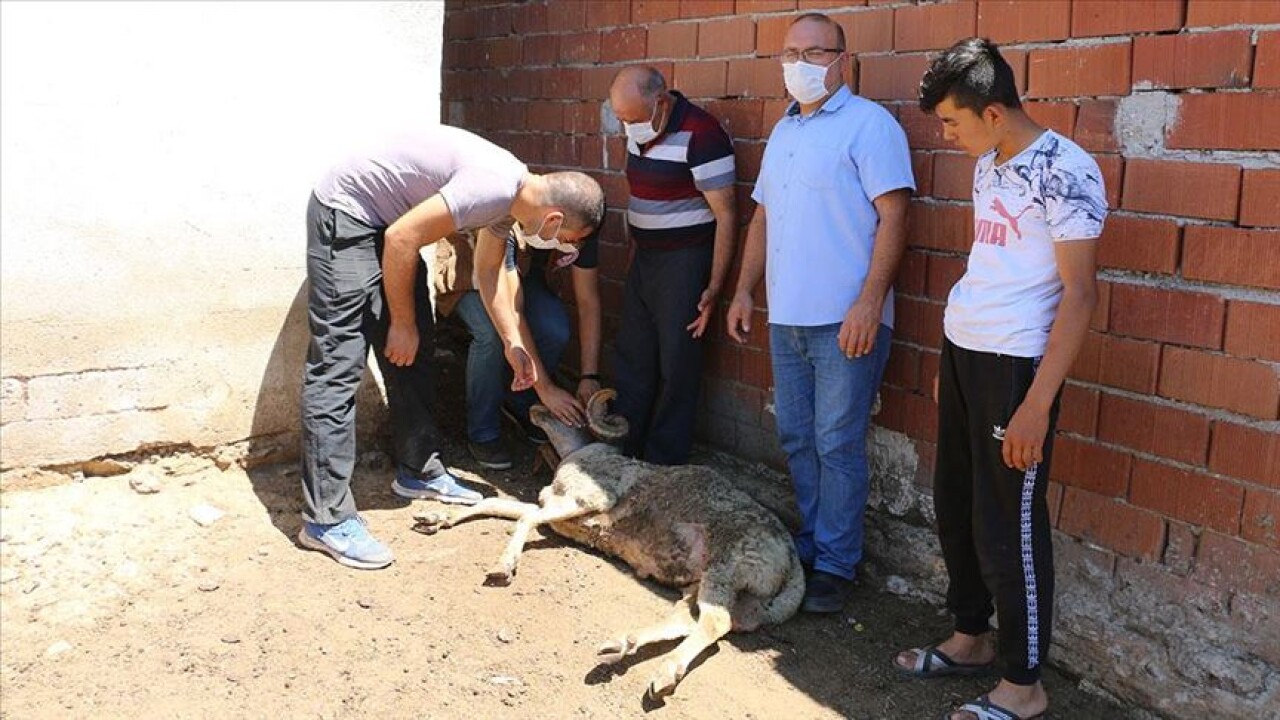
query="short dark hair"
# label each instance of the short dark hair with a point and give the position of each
(579, 196)
(826, 20)
(973, 74)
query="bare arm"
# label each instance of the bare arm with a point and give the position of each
(586, 295)
(1025, 436)
(425, 223)
(724, 207)
(862, 321)
(738, 320)
(499, 292)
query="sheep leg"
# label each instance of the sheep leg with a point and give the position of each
(714, 622)
(679, 624)
(433, 521)
(505, 569)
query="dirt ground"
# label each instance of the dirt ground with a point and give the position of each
(115, 603)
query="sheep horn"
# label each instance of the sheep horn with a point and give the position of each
(607, 427)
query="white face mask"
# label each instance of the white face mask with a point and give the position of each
(537, 242)
(642, 133)
(806, 82)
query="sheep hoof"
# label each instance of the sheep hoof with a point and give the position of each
(430, 523)
(500, 576)
(613, 651)
(665, 681)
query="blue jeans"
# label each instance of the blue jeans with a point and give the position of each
(488, 377)
(823, 402)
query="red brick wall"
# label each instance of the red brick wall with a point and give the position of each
(1169, 428)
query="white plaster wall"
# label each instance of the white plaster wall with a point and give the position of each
(155, 163)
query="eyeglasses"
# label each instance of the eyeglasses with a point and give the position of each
(813, 55)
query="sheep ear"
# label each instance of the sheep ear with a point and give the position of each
(606, 426)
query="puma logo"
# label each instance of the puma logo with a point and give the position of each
(1011, 219)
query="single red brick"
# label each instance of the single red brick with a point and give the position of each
(1053, 498)
(1095, 125)
(824, 4)
(922, 170)
(1261, 518)
(1226, 121)
(918, 321)
(1155, 429)
(1010, 21)
(1101, 320)
(526, 19)
(1111, 523)
(1253, 330)
(1091, 467)
(544, 51)
(1079, 412)
(1205, 190)
(924, 132)
(1088, 359)
(903, 368)
(1246, 453)
(891, 77)
(912, 272)
(1239, 566)
(770, 33)
(562, 17)
(1168, 315)
(701, 79)
(867, 31)
(625, 45)
(741, 118)
(944, 271)
(756, 77)
(1079, 71)
(545, 116)
(1112, 168)
(1058, 116)
(736, 36)
(1232, 12)
(921, 418)
(562, 83)
(608, 13)
(1232, 256)
(1194, 497)
(1259, 195)
(1133, 242)
(705, 8)
(760, 6)
(1124, 18)
(931, 27)
(1266, 61)
(1128, 364)
(940, 227)
(1213, 59)
(673, 40)
(893, 409)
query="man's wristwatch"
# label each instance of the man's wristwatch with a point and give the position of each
(589, 376)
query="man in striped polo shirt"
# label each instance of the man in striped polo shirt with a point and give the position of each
(681, 217)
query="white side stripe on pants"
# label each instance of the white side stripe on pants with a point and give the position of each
(1029, 568)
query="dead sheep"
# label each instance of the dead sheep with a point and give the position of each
(686, 527)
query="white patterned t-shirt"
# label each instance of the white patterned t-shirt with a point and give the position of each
(1007, 299)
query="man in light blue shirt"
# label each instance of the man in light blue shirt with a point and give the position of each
(828, 232)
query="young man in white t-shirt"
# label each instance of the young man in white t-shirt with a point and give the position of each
(1013, 324)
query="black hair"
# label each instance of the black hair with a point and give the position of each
(973, 74)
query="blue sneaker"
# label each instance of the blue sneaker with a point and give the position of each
(349, 542)
(414, 486)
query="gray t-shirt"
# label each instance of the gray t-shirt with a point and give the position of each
(477, 179)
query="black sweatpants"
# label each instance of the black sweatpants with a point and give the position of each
(347, 314)
(657, 363)
(993, 521)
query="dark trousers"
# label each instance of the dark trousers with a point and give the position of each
(657, 363)
(347, 314)
(993, 521)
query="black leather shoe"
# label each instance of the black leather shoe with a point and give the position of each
(826, 593)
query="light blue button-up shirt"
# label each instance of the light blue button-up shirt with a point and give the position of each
(817, 182)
